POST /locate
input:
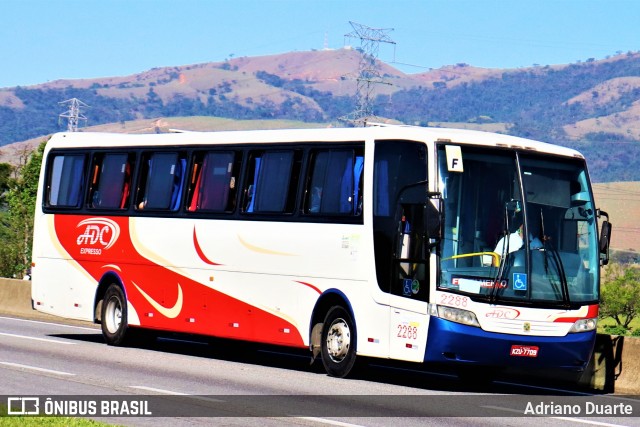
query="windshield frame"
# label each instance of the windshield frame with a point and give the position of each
(541, 265)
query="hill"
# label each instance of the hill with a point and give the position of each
(15, 153)
(593, 106)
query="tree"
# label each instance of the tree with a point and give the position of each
(16, 224)
(5, 181)
(620, 294)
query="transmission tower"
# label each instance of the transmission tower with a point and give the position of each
(368, 72)
(73, 114)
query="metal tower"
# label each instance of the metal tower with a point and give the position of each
(368, 72)
(73, 114)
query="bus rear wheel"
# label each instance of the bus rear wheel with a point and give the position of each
(338, 342)
(114, 316)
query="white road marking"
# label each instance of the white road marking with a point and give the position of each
(575, 420)
(593, 423)
(544, 388)
(36, 338)
(51, 324)
(35, 368)
(331, 422)
(158, 390)
(174, 393)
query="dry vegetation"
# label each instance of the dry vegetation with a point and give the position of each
(621, 200)
(14, 153)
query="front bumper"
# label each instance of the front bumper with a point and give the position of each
(454, 343)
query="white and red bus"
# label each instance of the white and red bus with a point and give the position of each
(380, 241)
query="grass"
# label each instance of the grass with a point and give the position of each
(18, 421)
(32, 421)
(602, 323)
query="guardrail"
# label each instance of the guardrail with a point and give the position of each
(615, 367)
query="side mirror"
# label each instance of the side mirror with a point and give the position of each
(605, 238)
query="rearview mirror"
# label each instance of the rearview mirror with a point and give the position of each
(605, 238)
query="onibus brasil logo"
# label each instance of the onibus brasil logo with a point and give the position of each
(101, 232)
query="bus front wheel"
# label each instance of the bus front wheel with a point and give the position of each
(114, 316)
(338, 342)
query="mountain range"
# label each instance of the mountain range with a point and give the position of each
(593, 105)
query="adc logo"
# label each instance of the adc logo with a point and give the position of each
(503, 313)
(98, 231)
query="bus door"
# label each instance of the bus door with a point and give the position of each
(409, 285)
(402, 264)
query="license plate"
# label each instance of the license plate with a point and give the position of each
(524, 350)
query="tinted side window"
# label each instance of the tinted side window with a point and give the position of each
(335, 185)
(213, 182)
(272, 181)
(396, 165)
(65, 181)
(161, 181)
(110, 181)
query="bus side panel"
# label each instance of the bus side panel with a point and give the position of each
(280, 267)
(162, 297)
(60, 286)
(217, 278)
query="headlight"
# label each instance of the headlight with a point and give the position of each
(457, 315)
(584, 325)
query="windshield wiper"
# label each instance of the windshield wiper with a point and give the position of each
(506, 238)
(548, 247)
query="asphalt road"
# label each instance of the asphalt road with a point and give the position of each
(250, 385)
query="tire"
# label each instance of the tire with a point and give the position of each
(338, 342)
(114, 316)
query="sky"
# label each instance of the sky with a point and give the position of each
(46, 40)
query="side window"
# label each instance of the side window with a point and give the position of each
(110, 181)
(398, 228)
(272, 180)
(213, 182)
(65, 183)
(161, 182)
(335, 183)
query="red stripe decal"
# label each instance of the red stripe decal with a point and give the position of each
(199, 251)
(592, 312)
(311, 286)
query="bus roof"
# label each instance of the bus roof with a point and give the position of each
(371, 132)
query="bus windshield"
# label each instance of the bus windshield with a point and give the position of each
(520, 228)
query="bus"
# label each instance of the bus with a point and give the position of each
(378, 242)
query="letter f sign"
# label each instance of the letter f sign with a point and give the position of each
(454, 158)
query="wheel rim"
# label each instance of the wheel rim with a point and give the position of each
(338, 340)
(113, 315)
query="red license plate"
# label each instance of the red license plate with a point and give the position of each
(524, 350)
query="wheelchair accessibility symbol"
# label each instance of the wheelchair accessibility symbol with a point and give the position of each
(519, 282)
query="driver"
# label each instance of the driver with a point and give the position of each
(515, 241)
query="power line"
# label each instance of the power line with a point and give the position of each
(73, 114)
(368, 71)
